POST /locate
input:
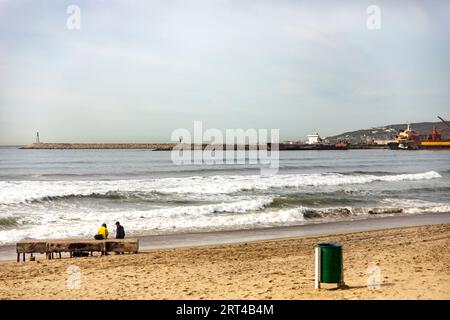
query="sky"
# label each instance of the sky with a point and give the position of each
(137, 70)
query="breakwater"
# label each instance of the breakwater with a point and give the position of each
(158, 146)
(150, 146)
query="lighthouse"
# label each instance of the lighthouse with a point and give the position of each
(37, 138)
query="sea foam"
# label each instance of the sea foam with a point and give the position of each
(26, 191)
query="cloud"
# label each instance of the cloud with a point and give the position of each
(281, 64)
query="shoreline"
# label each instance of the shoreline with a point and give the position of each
(413, 263)
(211, 238)
(181, 240)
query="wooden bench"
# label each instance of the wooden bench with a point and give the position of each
(30, 246)
(50, 247)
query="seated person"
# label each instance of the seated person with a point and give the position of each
(120, 231)
(102, 233)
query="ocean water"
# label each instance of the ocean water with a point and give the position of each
(70, 193)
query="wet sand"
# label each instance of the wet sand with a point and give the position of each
(413, 263)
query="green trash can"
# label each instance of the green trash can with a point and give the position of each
(331, 262)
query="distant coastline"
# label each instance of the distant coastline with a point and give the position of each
(152, 146)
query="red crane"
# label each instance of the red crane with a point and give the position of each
(448, 125)
(435, 135)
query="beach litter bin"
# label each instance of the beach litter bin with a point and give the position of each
(329, 264)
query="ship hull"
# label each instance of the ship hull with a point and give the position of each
(295, 146)
(393, 145)
(423, 145)
(434, 145)
(404, 145)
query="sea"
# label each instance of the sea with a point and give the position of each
(70, 193)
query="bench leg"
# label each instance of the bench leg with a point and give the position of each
(18, 257)
(23, 256)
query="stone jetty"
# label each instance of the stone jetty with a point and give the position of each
(150, 146)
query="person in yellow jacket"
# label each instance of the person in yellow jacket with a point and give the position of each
(103, 232)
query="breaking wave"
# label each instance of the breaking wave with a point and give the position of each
(338, 212)
(28, 191)
(244, 214)
(7, 222)
(313, 200)
(109, 195)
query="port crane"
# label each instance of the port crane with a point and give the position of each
(435, 135)
(448, 124)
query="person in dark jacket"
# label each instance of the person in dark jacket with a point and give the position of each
(120, 231)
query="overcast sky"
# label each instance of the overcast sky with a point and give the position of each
(137, 70)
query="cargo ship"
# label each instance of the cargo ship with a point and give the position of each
(409, 139)
(314, 142)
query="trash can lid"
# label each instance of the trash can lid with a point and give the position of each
(329, 244)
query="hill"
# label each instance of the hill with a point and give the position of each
(386, 133)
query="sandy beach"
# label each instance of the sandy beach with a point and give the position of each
(413, 261)
(203, 151)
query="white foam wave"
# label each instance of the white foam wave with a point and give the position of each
(252, 213)
(72, 224)
(23, 191)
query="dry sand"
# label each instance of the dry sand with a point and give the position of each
(414, 264)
